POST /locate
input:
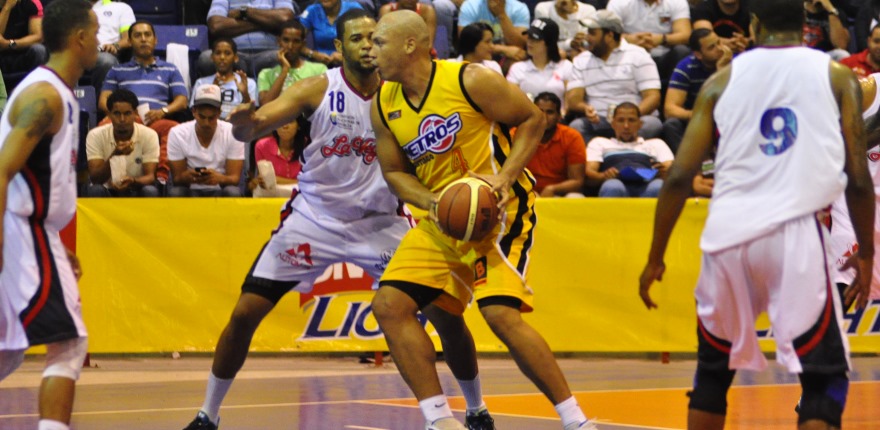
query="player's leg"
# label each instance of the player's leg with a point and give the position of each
(822, 400)
(461, 357)
(10, 359)
(395, 306)
(64, 362)
(707, 408)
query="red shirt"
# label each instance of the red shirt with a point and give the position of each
(267, 149)
(551, 161)
(859, 64)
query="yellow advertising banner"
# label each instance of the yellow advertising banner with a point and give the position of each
(164, 275)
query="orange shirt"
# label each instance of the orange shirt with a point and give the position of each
(551, 161)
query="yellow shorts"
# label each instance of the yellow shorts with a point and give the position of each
(495, 266)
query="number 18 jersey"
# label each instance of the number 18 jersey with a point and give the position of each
(780, 153)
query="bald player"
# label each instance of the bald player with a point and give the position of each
(436, 122)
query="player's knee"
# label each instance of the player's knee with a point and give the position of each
(9, 361)
(65, 359)
(824, 397)
(502, 313)
(710, 389)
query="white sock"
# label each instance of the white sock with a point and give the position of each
(473, 394)
(214, 395)
(52, 425)
(570, 411)
(435, 408)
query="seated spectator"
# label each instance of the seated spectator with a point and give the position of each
(318, 19)
(611, 72)
(704, 181)
(558, 164)
(235, 86)
(868, 61)
(475, 46)
(567, 14)
(281, 152)
(155, 82)
(291, 68)
(545, 70)
(424, 10)
(21, 48)
(687, 79)
(114, 20)
(825, 28)
(252, 24)
(122, 155)
(508, 20)
(729, 19)
(206, 160)
(662, 27)
(627, 165)
(867, 17)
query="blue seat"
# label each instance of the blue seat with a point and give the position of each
(154, 7)
(193, 36)
(88, 103)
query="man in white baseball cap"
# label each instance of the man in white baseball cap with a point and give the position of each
(206, 160)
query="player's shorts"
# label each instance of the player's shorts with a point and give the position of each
(842, 244)
(306, 243)
(495, 266)
(786, 274)
(39, 298)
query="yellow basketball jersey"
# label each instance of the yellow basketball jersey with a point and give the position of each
(447, 135)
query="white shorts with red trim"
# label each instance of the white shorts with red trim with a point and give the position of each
(785, 274)
(39, 297)
(306, 243)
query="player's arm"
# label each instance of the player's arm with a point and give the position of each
(505, 103)
(872, 123)
(396, 168)
(35, 114)
(859, 187)
(249, 123)
(678, 184)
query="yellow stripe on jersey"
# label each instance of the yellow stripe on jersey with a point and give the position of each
(447, 135)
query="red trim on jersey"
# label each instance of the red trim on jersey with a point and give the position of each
(401, 211)
(827, 312)
(353, 89)
(288, 209)
(41, 243)
(711, 339)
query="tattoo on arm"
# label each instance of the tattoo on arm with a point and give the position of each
(36, 118)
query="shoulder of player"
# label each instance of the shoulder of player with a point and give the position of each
(40, 97)
(478, 77)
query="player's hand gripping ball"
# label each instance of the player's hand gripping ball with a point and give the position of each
(467, 209)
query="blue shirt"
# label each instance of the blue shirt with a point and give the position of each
(254, 41)
(157, 84)
(315, 20)
(689, 75)
(478, 11)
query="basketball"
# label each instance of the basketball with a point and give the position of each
(467, 209)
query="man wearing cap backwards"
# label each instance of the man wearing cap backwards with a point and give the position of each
(206, 160)
(613, 71)
(475, 106)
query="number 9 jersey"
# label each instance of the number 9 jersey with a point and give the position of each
(775, 146)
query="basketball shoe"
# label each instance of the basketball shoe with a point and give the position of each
(480, 420)
(202, 423)
(445, 424)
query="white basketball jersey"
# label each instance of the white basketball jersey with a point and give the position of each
(780, 154)
(45, 188)
(341, 176)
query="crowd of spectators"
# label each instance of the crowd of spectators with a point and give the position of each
(580, 61)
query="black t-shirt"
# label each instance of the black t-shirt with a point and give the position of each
(724, 25)
(817, 30)
(20, 17)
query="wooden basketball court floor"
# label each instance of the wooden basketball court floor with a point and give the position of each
(339, 393)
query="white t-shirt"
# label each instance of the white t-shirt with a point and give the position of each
(492, 64)
(638, 16)
(184, 144)
(568, 27)
(532, 81)
(599, 147)
(100, 144)
(113, 19)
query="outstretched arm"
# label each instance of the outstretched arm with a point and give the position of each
(679, 181)
(249, 123)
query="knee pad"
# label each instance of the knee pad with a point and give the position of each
(710, 390)
(823, 398)
(9, 361)
(65, 358)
